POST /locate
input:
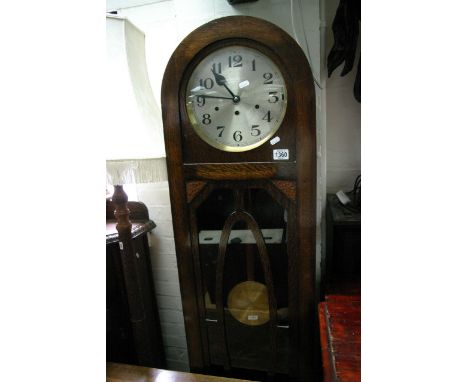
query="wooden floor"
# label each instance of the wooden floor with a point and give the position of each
(117, 372)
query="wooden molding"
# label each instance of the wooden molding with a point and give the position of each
(288, 188)
(193, 189)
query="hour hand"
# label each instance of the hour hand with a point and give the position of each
(221, 81)
(219, 78)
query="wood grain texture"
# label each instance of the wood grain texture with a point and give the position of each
(288, 188)
(193, 189)
(340, 338)
(199, 275)
(116, 372)
(240, 171)
(235, 171)
(173, 144)
(326, 361)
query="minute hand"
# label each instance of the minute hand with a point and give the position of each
(221, 81)
(208, 96)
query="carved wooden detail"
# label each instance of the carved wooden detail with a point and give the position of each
(236, 171)
(287, 187)
(193, 189)
(122, 213)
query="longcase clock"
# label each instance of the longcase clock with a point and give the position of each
(239, 123)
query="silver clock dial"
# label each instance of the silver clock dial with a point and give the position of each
(236, 98)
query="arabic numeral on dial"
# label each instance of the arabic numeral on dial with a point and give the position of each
(220, 129)
(237, 136)
(216, 67)
(268, 78)
(272, 97)
(235, 61)
(267, 116)
(206, 119)
(200, 101)
(207, 83)
(255, 131)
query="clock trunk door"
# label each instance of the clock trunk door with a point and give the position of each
(242, 257)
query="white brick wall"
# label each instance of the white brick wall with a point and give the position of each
(166, 279)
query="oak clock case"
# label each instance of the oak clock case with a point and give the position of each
(244, 222)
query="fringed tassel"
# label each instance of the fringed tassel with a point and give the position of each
(136, 171)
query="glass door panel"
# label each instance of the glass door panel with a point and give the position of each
(244, 280)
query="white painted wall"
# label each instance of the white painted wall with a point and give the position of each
(165, 24)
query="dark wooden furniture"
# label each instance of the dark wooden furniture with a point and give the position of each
(133, 328)
(244, 217)
(340, 338)
(116, 372)
(342, 268)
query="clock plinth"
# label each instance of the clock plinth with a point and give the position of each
(239, 123)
